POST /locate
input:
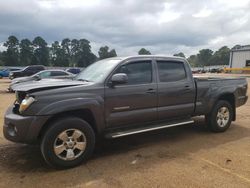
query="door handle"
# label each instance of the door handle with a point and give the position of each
(186, 89)
(152, 91)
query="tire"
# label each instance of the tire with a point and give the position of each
(67, 134)
(220, 118)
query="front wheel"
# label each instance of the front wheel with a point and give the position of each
(68, 142)
(220, 118)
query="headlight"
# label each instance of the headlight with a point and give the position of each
(11, 73)
(26, 103)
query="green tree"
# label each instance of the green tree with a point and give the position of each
(112, 53)
(41, 52)
(143, 51)
(67, 50)
(26, 52)
(11, 55)
(221, 57)
(1, 59)
(86, 56)
(237, 46)
(180, 54)
(66, 46)
(205, 56)
(74, 52)
(193, 60)
(81, 53)
(58, 57)
(105, 53)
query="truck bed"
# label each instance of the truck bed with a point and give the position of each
(209, 89)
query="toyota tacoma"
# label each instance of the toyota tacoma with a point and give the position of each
(117, 97)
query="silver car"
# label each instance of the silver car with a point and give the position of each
(55, 74)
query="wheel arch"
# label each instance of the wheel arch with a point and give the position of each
(229, 97)
(84, 114)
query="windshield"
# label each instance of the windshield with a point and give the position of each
(98, 71)
(24, 68)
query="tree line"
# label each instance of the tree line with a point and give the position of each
(78, 53)
(207, 57)
(60, 53)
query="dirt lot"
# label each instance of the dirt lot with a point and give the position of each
(187, 156)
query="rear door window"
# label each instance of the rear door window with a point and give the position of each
(170, 71)
(58, 73)
(45, 74)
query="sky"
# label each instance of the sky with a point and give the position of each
(161, 26)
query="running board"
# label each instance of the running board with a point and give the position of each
(146, 129)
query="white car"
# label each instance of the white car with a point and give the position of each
(55, 74)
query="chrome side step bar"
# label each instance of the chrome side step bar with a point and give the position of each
(145, 129)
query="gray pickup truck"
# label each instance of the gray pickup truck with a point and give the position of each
(118, 97)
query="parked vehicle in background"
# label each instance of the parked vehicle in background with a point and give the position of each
(73, 70)
(216, 70)
(196, 71)
(117, 97)
(27, 71)
(6, 72)
(203, 71)
(56, 74)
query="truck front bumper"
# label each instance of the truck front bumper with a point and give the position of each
(24, 129)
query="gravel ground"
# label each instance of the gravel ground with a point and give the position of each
(186, 156)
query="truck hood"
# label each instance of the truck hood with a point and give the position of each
(45, 84)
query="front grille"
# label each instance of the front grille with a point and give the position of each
(16, 108)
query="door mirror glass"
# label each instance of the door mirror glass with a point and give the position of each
(37, 77)
(119, 78)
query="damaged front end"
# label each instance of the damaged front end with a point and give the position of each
(23, 101)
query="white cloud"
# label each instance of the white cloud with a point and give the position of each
(167, 14)
(203, 13)
(233, 3)
(2, 47)
(67, 4)
(217, 40)
(164, 27)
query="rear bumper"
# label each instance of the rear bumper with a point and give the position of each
(24, 129)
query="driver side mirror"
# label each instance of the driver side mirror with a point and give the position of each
(119, 78)
(37, 77)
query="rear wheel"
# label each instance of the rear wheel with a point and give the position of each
(68, 142)
(220, 118)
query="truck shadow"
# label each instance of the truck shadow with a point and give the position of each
(151, 147)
